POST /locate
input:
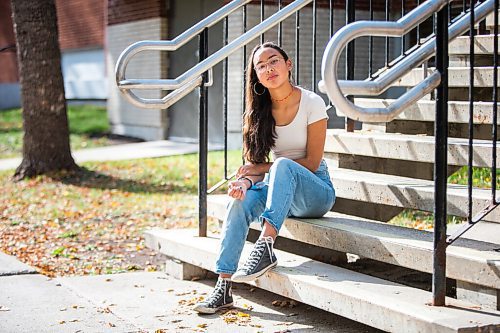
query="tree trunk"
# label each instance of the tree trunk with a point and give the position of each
(45, 123)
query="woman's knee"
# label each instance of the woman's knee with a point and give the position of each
(282, 163)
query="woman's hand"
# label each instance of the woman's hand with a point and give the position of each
(249, 170)
(237, 189)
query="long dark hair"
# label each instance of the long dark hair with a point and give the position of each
(259, 135)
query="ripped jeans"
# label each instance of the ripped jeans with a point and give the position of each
(288, 190)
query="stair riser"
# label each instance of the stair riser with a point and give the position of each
(483, 45)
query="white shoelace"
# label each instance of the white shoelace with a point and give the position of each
(219, 291)
(258, 250)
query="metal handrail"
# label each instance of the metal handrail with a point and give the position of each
(191, 79)
(169, 45)
(336, 89)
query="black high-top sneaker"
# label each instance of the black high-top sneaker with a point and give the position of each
(261, 260)
(220, 298)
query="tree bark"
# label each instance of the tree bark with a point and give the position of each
(46, 134)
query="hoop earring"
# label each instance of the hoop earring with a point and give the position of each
(255, 89)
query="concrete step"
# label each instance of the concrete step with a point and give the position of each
(406, 147)
(409, 193)
(483, 231)
(457, 77)
(483, 45)
(425, 110)
(490, 21)
(391, 244)
(385, 305)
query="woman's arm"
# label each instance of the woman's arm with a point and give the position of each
(316, 136)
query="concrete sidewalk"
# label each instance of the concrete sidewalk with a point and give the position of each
(144, 302)
(122, 152)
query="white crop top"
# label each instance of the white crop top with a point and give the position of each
(291, 141)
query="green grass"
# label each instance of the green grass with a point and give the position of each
(88, 127)
(416, 219)
(481, 177)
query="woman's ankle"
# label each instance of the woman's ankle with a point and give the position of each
(225, 276)
(268, 231)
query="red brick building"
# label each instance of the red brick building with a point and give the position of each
(9, 80)
(81, 36)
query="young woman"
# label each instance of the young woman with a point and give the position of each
(290, 122)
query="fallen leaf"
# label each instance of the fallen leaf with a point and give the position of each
(248, 307)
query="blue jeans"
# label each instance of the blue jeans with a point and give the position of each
(288, 190)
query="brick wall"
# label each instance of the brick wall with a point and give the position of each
(8, 62)
(81, 23)
(123, 11)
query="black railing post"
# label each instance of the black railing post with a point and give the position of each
(297, 46)
(314, 27)
(203, 141)
(370, 43)
(387, 46)
(350, 54)
(495, 106)
(471, 109)
(441, 161)
(280, 25)
(225, 93)
(262, 19)
(243, 99)
(403, 38)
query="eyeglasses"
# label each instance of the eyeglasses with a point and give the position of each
(262, 67)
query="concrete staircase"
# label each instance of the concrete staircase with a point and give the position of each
(377, 172)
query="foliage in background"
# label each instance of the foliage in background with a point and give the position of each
(481, 177)
(88, 125)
